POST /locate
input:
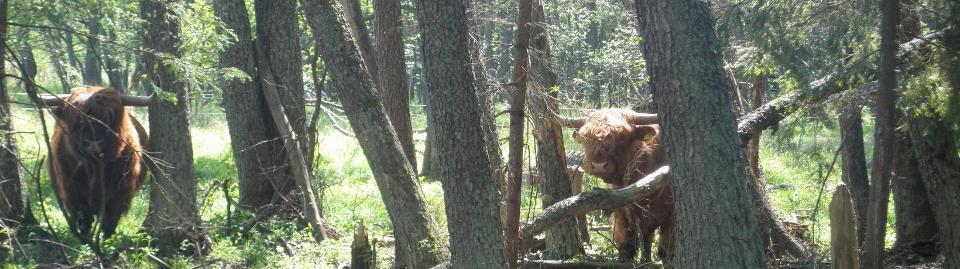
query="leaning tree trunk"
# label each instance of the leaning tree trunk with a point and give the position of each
(14, 208)
(254, 138)
(172, 216)
(854, 169)
(485, 90)
(563, 240)
(935, 149)
(394, 86)
(353, 16)
(872, 255)
(469, 185)
(916, 226)
(417, 243)
(683, 56)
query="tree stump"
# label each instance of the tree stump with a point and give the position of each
(843, 230)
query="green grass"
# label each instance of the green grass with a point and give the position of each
(794, 160)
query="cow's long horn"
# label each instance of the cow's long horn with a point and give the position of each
(129, 100)
(642, 118)
(564, 121)
(54, 100)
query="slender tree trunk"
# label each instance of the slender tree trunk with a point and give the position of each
(916, 226)
(358, 30)
(753, 147)
(688, 76)
(563, 240)
(91, 65)
(854, 169)
(415, 231)
(394, 85)
(935, 149)
(872, 255)
(518, 99)
(116, 73)
(843, 242)
(469, 185)
(57, 60)
(254, 137)
(14, 208)
(172, 216)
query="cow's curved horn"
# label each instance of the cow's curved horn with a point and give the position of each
(564, 121)
(54, 100)
(642, 118)
(129, 100)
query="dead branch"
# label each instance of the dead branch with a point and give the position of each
(593, 200)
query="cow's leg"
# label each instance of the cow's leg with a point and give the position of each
(646, 241)
(624, 234)
(666, 248)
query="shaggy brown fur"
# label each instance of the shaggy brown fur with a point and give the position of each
(621, 153)
(96, 164)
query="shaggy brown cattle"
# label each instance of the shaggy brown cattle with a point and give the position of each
(96, 162)
(620, 147)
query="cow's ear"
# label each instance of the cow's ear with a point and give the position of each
(648, 133)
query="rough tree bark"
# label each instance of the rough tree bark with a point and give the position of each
(693, 102)
(358, 30)
(753, 147)
(415, 231)
(485, 89)
(872, 255)
(843, 242)
(916, 226)
(936, 151)
(469, 185)
(14, 208)
(253, 136)
(394, 86)
(172, 216)
(563, 240)
(854, 167)
(518, 100)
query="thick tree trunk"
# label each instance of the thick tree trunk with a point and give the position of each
(415, 231)
(916, 226)
(394, 86)
(885, 150)
(854, 169)
(277, 28)
(485, 90)
(682, 54)
(518, 100)
(172, 216)
(14, 208)
(563, 240)
(254, 138)
(91, 63)
(936, 151)
(469, 184)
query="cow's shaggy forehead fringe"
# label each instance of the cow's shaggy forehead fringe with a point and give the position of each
(605, 123)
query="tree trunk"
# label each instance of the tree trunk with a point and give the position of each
(253, 135)
(469, 185)
(415, 231)
(116, 73)
(276, 22)
(71, 54)
(563, 240)
(296, 160)
(91, 65)
(14, 208)
(518, 100)
(843, 226)
(485, 91)
(172, 216)
(854, 169)
(353, 15)
(753, 147)
(58, 60)
(394, 86)
(688, 77)
(872, 255)
(916, 227)
(936, 151)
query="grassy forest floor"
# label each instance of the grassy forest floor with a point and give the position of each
(796, 160)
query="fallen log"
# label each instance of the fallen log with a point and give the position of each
(593, 200)
(771, 113)
(552, 264)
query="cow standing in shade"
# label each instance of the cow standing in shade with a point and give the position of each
(620, 147)
(97, 161)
